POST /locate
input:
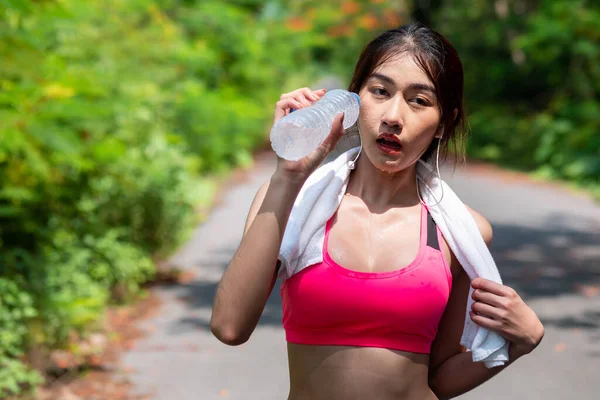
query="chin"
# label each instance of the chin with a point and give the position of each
(390, 166)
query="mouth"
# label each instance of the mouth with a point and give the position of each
(388, 143)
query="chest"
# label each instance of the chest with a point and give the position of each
(369, 242)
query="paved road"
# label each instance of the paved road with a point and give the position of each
(546, 243)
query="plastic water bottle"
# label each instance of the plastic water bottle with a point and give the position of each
(299, 133)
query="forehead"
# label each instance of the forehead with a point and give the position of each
(402, 69)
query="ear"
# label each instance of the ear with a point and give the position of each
(440, 134)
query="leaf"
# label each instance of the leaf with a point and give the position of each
(15, 193)
(10, 211)
(58, 91)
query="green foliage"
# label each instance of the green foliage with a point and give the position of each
(16, 310)
(74, 284)
(148, 191)
(16, 377)
(93, 180)
(108, 120)
(111, 120)
(335, 32)
(532, 82)
(68, 297)
(202, 114)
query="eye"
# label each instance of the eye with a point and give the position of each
(380, 92)
(421, 101)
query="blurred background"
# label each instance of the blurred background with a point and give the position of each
(118, 118)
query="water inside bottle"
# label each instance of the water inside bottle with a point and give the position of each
(299, 133)
(298, 141)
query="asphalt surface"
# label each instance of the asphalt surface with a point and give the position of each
(547, 247)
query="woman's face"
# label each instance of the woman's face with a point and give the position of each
(399, 114)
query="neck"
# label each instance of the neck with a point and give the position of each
(380, 189)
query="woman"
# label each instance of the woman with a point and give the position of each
(381, 317)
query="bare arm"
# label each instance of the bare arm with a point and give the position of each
(249, 279)
(251, 274)
(452, 370)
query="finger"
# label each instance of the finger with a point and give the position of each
(309, 94)
(490, 286)
(317, 94)
(279, 113)
(283, 107)
(335, 134)
(301, 99)
(292, 102)
(489, 298)
(294, 93)
(485, 322)
(487, 310)
(304, 92)
(286, 95)
(314, 97)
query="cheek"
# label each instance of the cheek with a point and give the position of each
(423, 127)
(370, 115)
(365, 112)
(366, 122)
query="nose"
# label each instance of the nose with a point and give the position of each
(392, 116)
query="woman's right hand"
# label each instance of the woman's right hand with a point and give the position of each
(298, 171)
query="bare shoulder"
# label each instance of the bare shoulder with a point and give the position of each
(484, 226)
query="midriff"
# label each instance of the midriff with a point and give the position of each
(348, 373)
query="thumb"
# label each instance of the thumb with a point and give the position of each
(335, 134)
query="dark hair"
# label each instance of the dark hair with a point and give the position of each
(439, 60)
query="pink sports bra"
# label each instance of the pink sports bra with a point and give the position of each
(327, 304)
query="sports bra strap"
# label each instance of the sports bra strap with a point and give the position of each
(432, 237)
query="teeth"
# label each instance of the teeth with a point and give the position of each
(389, 143)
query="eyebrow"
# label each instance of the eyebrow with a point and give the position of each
(413, 86)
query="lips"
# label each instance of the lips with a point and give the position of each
(389, 142)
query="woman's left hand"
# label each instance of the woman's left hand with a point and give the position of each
(500, 309)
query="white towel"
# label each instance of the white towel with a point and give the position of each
(320, 197)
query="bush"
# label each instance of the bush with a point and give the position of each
(93, 183)
(108, 122)
(532, 82)
(16, 310)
